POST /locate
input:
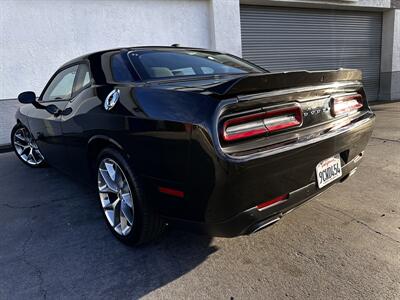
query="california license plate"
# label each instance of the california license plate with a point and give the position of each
(328, 170)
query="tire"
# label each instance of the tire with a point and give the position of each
(115, 174)
(25, 147)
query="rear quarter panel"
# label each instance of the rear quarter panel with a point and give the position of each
(151, 127)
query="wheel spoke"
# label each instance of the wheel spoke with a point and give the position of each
(33, 153)
(21, 149)
(112, 184)
(111, 205)
(26, 151)
(110, 170)
(127, 198)
(26, 147)
(25, 134)
(117, 213)
(110, 216)
(111, 209)
(18, 143)
(32, 156)
(20, 137)
(126, 212)
(20, 140)
(108, 181)
(105, 189)
(125, 228)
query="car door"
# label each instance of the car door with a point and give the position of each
(46, 126)
(74, 121)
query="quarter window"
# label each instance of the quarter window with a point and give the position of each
(86, 79)
(61, 86)
(82, 79)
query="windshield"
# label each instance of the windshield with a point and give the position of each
(167, 64)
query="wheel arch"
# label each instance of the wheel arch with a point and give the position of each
(20, 122)
(96, 144)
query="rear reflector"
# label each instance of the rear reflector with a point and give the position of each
(273, 202)
(171, 192)
(262, 123)
(346, 104)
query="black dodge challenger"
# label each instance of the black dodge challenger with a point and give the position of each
(196, 137)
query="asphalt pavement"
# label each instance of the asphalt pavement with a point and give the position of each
(343, 244)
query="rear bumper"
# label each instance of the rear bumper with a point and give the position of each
(223, 192)
(244, 184)
(252, 219)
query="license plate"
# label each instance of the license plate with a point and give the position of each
(328, 170)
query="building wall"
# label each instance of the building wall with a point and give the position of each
(38, 36)
(390, 67)
(326, 4)
(225, 26)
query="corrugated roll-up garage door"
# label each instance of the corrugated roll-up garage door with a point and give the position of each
(313, 39)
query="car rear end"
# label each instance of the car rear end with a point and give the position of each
(277, 149)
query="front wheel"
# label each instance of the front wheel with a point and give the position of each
(26, 148)
(128, 215)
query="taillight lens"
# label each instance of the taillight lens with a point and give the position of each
(346, 104)
(262, 123)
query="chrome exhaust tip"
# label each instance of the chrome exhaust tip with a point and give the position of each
(264, 224)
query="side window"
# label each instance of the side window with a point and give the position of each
(61, 86)
(83, 78)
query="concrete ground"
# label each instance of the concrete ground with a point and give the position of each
(343, 244)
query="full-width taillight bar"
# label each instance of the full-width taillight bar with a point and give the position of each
(262, 122)
(346, 104)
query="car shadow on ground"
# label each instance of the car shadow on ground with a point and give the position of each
(55, 244)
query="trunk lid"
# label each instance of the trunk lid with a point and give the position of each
(275, 110)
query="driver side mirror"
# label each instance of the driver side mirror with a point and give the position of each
(27, 97)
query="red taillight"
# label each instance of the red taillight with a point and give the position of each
(346, 104)
(262, 123)
(273, 202)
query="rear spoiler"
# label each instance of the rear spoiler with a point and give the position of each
(256, 83)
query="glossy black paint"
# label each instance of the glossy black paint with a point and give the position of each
(169, 132)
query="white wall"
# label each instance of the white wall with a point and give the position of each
(390, 41)
(38, 36)
(390, 63)
(225, 26)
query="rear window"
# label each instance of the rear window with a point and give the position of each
(167, 64)
(120, 70)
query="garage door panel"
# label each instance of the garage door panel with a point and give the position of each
(292, 39)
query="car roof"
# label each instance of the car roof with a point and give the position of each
(154, 48)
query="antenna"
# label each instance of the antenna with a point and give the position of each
(175, 45)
